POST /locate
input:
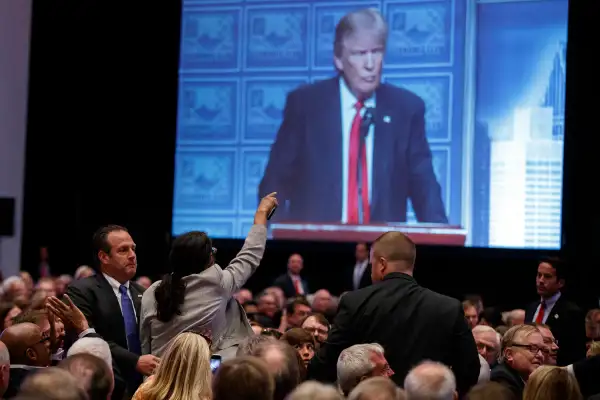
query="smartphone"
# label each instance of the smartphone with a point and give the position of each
(215, 362)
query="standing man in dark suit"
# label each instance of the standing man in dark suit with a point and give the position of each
(111, 304)
(360, 275)
(565, 319)
(292, 283)
(412, 323)
(329, 169)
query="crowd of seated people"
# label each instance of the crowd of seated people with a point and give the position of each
(199, 334)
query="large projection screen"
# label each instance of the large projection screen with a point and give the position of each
(466, 136)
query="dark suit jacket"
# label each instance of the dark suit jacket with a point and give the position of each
(567, 323)
(587, 372)
(285, 283)
(412, 324)
(508, 377)
(365, 280)
(97, 301)
(305, 165)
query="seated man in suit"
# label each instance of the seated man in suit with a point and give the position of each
(351, 149)
(111, 304)
(564, 318)
(292, 283)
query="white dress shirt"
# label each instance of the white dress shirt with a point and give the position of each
(549, 305)
(348, 100)
(359, 270)
(115, 286)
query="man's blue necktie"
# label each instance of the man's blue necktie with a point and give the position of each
(131, 326)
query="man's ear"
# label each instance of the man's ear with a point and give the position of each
(455, 395)
(561, 283)
(31, 354)
(103, 257)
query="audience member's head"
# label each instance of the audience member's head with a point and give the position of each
(247, 346)
(92, 373)
(4, 368)
(488, 343)
(302, 341)
(13, 287)
(592, 324)
(594, 349)
(278, 294)
(115, 254)
(283, 364)
(312, 390)
(491, 316)
(52, 384)
(94, 346)
(490, 391)
(47, 286)
(392, 252)
(471, 313)
(322, 301)
(144, 282)
(318, 326)
(360, 362)
(515, 317)
(267, 304)
(191, 253)
(243, 296)
(297, 310)
(550, 277)
(8, 311)
(295, 264)
(377, 388)
(27, 345)
(551, 351)
(243, 378)
(430, 380)
(552, 383)
(523, 349)
(184, 371)
(83, 272)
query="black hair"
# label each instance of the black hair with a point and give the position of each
(100, 239)
(558, 265)
(190, 254)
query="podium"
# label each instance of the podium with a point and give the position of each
(432, 234)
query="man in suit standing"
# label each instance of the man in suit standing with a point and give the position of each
(412, 323)
(351, 149)
(565, 319)
(360, 275)
(111, 304)
(292, 283)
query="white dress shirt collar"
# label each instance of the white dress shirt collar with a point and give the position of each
(114, 283)
(549, 303)
(348, 98)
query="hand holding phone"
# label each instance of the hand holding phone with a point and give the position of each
(215, 362)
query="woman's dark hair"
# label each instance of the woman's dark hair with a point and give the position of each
(191, 253)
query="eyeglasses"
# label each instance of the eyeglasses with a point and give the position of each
(550, 341)
(532, 348)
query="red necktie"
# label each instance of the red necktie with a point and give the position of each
(540, 316)
(297, 286)
(355, 158)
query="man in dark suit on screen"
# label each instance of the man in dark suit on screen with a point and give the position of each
(410, 322)
(111, 302)
(351, 149)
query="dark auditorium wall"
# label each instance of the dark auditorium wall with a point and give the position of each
(101, 140)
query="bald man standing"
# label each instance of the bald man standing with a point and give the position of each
(412, 323)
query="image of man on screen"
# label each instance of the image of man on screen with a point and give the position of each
(351, 149)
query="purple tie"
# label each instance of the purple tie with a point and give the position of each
(131, 326)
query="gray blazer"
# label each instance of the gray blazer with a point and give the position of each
(209, 304)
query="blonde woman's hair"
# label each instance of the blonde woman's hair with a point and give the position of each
(184, 372)
(552, 383)
(594, 349)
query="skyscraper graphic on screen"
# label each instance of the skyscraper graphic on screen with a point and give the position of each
(526, 171)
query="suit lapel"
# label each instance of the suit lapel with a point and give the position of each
(136, 298)
(328, 137)
(382, 146)
(109, 304)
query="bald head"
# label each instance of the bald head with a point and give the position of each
(392, 252)
(431, 380)
(19, 338)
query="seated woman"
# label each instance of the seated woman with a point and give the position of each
(198, 294)
(184, 372)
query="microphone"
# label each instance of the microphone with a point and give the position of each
(367, 120)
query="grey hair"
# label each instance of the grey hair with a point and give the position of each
(8, 282)
(80, 270)
(377, 387)
(247, 346)
(354, 363)
(430, 380)
(94, 346)
(310, 390)
(367, 18)
(487, 329)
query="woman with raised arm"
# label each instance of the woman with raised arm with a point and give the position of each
(197, 295)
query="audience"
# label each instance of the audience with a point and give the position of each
(283, 365)
(243, 378)
(92, 374)
(552, 383)
(377, 388)
(52, 384)
(430, 380)
(360, 362)
(312, 390)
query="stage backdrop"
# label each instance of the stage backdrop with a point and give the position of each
(491, 73)
(15, 22)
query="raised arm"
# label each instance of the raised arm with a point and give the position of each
(247, 260)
